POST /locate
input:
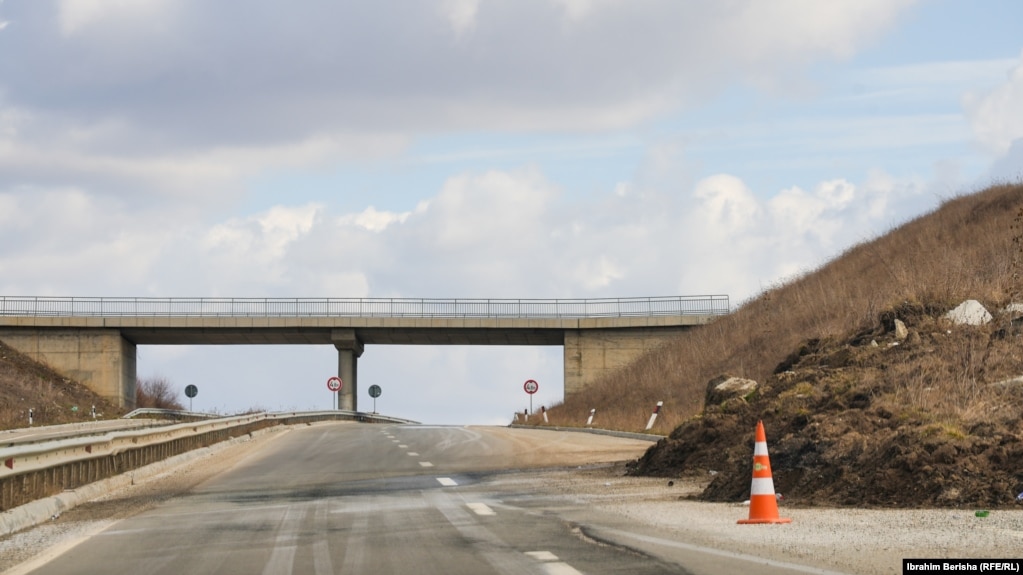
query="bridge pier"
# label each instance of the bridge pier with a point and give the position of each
(349, 348)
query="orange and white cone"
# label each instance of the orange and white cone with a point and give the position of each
(763, 504)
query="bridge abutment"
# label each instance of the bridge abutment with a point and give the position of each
(99, 358)
(349, 349)
(591, 354)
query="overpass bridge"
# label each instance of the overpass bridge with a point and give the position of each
(94, 340)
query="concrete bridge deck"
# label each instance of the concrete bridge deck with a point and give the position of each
(94, 339)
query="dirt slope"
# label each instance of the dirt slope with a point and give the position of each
(26, 384)
(870, 420)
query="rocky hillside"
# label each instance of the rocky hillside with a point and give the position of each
(864, 420)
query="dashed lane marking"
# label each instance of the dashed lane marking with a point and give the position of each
(425, 464)
(560, 568)
(482, 509)
(551, 564)
(447, 481)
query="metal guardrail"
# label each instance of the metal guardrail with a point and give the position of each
(169, 413)
(21, 458)
(31, 471)
(362, 307)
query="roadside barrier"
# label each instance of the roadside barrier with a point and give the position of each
(33, 471)
(763, 503)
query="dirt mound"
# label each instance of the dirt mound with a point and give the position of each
(54, 399)
(871, 420)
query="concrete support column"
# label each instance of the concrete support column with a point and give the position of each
(349, 348)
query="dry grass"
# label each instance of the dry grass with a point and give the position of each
(53, 398)
(969, 248)
(156, 392)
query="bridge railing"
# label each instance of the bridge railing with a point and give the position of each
(362, 307)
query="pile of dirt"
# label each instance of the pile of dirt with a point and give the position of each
(54, 399)
(871, 420)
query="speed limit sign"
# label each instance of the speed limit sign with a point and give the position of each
(531, 386)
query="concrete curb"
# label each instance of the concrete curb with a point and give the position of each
(611, 432)
(42, 510)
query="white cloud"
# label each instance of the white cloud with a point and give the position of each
(597, 273)
(374, 220)
(749, 242)
(997, 116)
(254, 250)
(726, 206)
(75, 16)
(204, 74)
(461, 14)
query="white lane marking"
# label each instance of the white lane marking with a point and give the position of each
(413, 454)
(425, 464)
(551, 563)
(395, 440)
(722, 553)
(403, 446)
(355, 550)
(560, 568)
(482, 509)
(322, 565)
(282, 558)
(504, 559)
(447, 481)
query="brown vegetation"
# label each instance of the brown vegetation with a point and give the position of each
(967, 249)
(53, 398)
(156, 392)
(854, 415)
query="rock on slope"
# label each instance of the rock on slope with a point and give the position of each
(872, 420)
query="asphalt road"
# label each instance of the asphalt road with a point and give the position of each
(375, 499)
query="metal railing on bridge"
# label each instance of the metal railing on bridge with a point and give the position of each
(362, 307)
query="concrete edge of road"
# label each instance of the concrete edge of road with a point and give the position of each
(611, 432)
(42, 510)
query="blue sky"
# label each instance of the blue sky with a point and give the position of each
(476, 148)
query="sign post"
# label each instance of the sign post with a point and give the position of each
(191, 391)
(334, 385)
(531, 387)
(374, 392)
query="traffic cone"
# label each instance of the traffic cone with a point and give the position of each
(763, 504)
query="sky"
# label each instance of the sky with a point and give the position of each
(476, 149)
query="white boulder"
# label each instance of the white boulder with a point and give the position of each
(970, 312)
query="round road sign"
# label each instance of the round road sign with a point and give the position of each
(191, 391)
(531, 386)
(334, 383)
(374, 391)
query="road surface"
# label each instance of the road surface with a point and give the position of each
(357, 498)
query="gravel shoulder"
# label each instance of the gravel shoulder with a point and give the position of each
(859, 541)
